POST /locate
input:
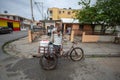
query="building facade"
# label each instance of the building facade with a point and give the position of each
(13, 24)
(13, 21)
(57, 13)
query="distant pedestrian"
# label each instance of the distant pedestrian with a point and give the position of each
(48, 30)
(69, 30)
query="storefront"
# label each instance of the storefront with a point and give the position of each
(15, 25)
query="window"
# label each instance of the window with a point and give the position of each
(50, 18)
(50, 11)
(69, 13)
(14, 18)
(81, 27)
(59, 12)
(8, 17)
(21, 19)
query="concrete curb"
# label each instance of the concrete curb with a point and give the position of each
(3, 46)
(85, 55)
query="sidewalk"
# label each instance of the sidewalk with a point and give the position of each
(23, 48)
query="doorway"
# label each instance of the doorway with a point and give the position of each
(10, 25)
(68, 29)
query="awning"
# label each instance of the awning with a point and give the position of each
(69, 20)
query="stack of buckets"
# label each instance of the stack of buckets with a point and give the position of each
(44, 44)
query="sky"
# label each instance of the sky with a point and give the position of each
(22, 7)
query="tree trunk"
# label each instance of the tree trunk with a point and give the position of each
(103, 29)
(93, 27)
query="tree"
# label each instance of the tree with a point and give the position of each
(110, 12)
(110, 8)
(104, 12)
(85, 3)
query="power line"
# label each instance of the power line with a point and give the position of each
(39, 6)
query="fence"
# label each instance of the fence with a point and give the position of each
(97, 38)
(33, 35)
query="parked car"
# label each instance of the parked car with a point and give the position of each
(4, 30)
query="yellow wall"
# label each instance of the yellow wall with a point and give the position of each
(16, 24)
(55, 14)
(3, 23)
(64, 13)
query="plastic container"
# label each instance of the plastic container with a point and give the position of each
(51, 48)
(44, 45)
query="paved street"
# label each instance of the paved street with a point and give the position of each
(3, 39)
(16, 68)
(88, 69)
(7, 37)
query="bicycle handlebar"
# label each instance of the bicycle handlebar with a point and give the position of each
(74, 42)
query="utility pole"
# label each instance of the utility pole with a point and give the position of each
(31, 10)
(31, 4)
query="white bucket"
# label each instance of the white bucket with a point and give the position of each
(43, 43)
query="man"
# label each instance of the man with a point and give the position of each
(56, 38)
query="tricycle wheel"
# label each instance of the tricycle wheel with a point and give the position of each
(77, 54)
(48, 62)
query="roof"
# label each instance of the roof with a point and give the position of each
(9, 20)
(69, 20)
(50, 20)
(62, 8)
(6, 14)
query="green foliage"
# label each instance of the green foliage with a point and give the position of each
(111, 9)
(85, 3)
(104, 12)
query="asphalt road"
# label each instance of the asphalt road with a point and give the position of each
(8, 37)
(14, 68)
(88, 69)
